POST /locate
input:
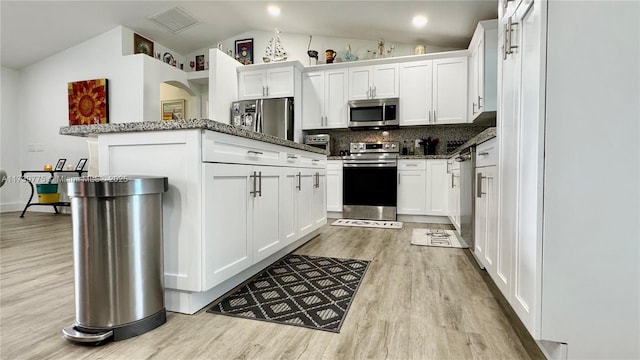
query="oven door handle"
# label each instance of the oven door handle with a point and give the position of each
(369, 164)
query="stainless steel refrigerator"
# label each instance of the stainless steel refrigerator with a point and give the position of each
(268, 116)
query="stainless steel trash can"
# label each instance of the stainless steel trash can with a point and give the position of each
(117, 255)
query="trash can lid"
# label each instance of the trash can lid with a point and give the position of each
(116, 185)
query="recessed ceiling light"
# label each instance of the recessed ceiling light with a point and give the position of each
(419, 21)
(273, 10)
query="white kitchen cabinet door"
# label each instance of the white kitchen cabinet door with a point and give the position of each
(313, 94)
(279, 82)
(483, 66)
(289, 208)
(474, 74)
(319, 212)
(226, 220)
(360, 82)
(450, 90)
(416, 84)
(386, 81)
(251, 84)
(304, 201)
(267, 205)
(262, 84)
(336, 86)
(436, 188)
(334, 189)
(411, 192)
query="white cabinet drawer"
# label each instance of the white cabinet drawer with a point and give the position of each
(412, 164)
(224, 148)
(487, 153)
(290, 158)
(312, 161)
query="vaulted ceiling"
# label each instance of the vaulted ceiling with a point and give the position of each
(34, 30)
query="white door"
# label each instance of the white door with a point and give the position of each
(279, 82)
(437, 191)
(251, 84)
(305, 201)
(313, 93)
(319, 199)
(334, 190)
(336, 98)
(386, 81)
(411, 192)
(416, 93)
(360, 82)
(266, 237)
(227, 218)
(289, 206)
(450, 90)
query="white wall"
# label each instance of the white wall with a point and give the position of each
(171, 92)
(296, 47)
(10, 148)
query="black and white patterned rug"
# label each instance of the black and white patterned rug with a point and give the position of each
(309, 291)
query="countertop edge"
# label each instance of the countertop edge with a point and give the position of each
(190, 124)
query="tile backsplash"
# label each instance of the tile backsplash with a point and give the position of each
(448, 134)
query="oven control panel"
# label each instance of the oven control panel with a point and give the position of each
(377, 147)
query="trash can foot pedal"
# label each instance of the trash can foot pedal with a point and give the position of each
(73, 334)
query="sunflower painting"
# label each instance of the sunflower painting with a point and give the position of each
(88, 102)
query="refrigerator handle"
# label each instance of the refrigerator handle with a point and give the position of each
(260, 118)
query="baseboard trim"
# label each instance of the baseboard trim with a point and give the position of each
(11, 207)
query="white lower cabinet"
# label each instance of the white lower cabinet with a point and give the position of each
(422, 187)
(227, 221)
(305, 202)
(453, 186)
(334, 185)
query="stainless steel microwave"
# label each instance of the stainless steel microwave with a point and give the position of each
(374, 114)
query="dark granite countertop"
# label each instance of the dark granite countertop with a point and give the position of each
(487, 134)
(204, 124)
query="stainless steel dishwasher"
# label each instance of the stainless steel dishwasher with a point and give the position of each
(467, 160)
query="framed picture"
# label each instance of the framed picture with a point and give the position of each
(244, 51)
(88, 102)
(199, 62)
(142, 45)
(81, 164)
(60, 165)
(173, 109)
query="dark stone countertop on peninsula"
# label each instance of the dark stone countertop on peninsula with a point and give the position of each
(204, 124)
(487, 134)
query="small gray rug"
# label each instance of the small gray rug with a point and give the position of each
(439, 238)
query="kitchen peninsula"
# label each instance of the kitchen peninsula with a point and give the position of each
(237, 200)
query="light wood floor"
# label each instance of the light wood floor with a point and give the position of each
(414, 303)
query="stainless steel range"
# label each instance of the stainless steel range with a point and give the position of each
(369, 181)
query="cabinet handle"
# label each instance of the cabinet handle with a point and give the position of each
(453, 181)
(263, 88)
(505, 4)
(479, 106)
(374, 92)
(299, 187)
(398, 178)
(254, 192)
(479, 185)
(483, 154)
(254, 152)
(473, 108)
(434, 117)
(315, 160)
(292, 156)
(317, 180)
(267, 90)
(260, 183)
(508, 41)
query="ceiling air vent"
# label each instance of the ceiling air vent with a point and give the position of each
(174, 20)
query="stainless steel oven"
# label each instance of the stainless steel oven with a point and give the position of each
(321, 141)
(369, 181)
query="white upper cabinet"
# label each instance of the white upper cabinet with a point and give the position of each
(483, 71)
(266, 83)
(374, 82)
(450, 90)
(434, 91)
(324, 95)
(416, 89)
